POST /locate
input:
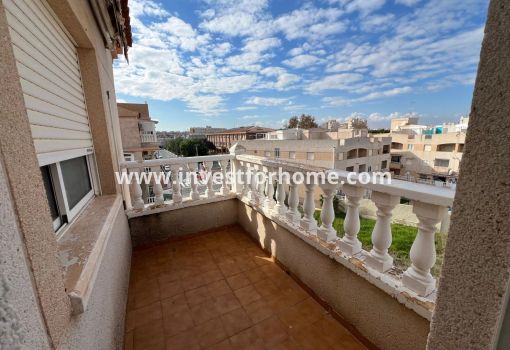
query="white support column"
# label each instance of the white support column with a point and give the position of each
(308, 222)
(261, 184)
(327, 232)
(423, 251)
(378, 258)
(209, 192)
(350, 244)
(137, 193)
(279, 208)
(252, 186)
(224, 190)
(293, 215)
(192, 167)
(176, 184)
(269, 202)
(158, 190)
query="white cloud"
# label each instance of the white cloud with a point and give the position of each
(377, 23)
(267, 101)
(181, 33)
(245, 108)
(247, 117)
(342, 101)
(407, 2)
(284, 80)
(364, 6)
(333, 82)
(302, 61)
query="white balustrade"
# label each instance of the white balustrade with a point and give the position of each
(136, 192)
(279, 208)
(350, 244)
(194, 194)
(261, 185)
(308, 222)
(252, 185)
(157, 188)
(378, 258)
(326, 231)
(224, 190)
(176, 184)
(209, 192)
(269, 202)
(423, 251)
(293, 215)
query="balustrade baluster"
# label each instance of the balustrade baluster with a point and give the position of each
(279, 208)
(137, 193)
(176, 184)
(269, 200)
(209, 192)
(423, 251)
(157, 188)
(194, 194)
(293, 215)
(308, 222)
(350, 244)
(224, 190)
(378, 258)
(326, 231)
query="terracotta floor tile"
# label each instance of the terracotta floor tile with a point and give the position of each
(236, 321)
(218, 288)
(309, 338)
(177, 303)
(266, 287)
(177, 322)
(272, 331)
(204, 312)
(128, 341)
(197, 296)
(226, 303)
(146, 297)
(229, 268)
(336, 335)
(247, 340)
(247, 295)
(149, 337)
(193, 282)
(129, 324)
(302, 314)
(238, 281)
(255, 275)
(169, 289)
(259, 310)
(224, 345)
(183, 341)
(288, 344)
(210, 333)
(147, 314)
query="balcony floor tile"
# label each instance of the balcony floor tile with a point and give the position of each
(219, 290)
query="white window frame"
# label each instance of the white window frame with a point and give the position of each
(427, 148)
(292, 155)
(61, 194)
(410, 146)
(310, 155)
(267, 154)
(277, 152)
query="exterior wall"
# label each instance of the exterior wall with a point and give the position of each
(22, 325)
(150, 229)
(474, 282)
(130, 134)
(101, 326)
(28, 199)
(375, 314)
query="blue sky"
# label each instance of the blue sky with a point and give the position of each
(228, 63)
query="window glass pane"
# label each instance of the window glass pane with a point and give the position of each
(76, 179)
(50, 194)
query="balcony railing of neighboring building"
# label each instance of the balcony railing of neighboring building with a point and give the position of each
(429, 204)
(148, 137)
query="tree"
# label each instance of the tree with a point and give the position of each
(293, 123)
(303, 122)
(189, 147)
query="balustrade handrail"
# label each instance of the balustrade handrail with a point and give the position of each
(174, 161)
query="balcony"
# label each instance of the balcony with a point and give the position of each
(148, 137)
(351, 284)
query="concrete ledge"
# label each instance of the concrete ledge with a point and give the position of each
(162, 223)
(381, 312)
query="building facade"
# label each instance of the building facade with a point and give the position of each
(225, 139)
(139, 138)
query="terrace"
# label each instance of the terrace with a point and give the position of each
(251, 225)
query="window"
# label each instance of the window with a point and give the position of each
(410, 146)
(267, 154)
(129, 157)
(362, 168)
(384, 164)
(427, 148)
(68, 186)
(292, 155)
(310, 155)
(277, 153)
(349, 168)
(441, 163)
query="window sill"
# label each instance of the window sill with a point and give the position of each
(82, 246)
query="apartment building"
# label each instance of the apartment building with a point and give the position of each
(202, 132)
(139, 138)
(427, 152)
(346, 149)
(225, 139)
